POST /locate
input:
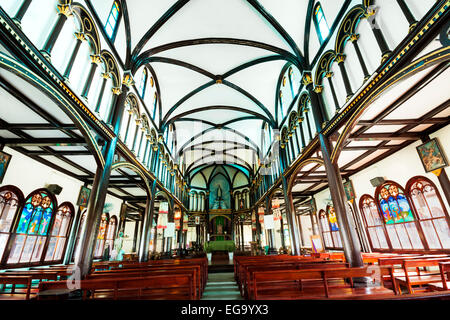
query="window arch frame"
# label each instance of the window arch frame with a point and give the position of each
(14, 235)
(408, 192)
(375, 226)
(20, 203)
(99, 241)
(326, 234)
(415, 221)
(334, 232)
(113, 222)
(318, 6)
(67, 233)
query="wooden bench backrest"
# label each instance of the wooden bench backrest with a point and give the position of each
(157, 281)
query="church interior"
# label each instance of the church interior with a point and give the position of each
(224, 150)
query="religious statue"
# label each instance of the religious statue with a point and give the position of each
(219, 203)
(118, 254)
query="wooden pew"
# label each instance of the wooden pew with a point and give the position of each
(14, 280)
(444, 269)
(201, 275)
(193, 271)
(248, 285)
(167, 287)
(409, 280)
(325, 291)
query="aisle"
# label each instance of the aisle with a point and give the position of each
(221, 286)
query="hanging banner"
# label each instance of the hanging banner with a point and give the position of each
(164, 207)
(177, 224)
(170, 230)
(260, 211)
(349, 191)
(185, 222)
(261, 219)
(275, 203)
(162, 221)
(268, 222)
(177, 214)
(276, 214)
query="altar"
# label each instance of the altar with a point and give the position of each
(220, 245)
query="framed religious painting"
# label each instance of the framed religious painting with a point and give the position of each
(349, 191)
(83, 197)
(432, 156)
(5, 158)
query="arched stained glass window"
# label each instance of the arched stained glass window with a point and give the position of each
(111, 234)
(101, 237)
(430, 210)
(112, 21)
(143, 83)
(398, 217)
(32, 227)
(320, 23)
(332, 220)
(373, 222)
(11, 200)
(325, 229)
(59, 233)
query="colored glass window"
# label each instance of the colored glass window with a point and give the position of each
(321, 24)
(111, 22)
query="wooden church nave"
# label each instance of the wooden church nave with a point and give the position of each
(224, 150)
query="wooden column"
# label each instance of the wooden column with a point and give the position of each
(354, 39)
(340, 58)
(64, 11)
(349, 237)
(80, 38)
(381, 41)
(147, 224)
(105, 78)
(136, 235)
(328, 75)
(21, 12)
(95, 61)
(83, 262)
(300, 227)
(408, 14)
(319, 113)
(290, 215)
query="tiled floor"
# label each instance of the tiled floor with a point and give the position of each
(221, 286)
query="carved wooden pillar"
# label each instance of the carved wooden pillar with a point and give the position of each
(408, 14)
(21, 12)
(381, 41)
(350, 241)
(105, 78)
(147, 222)
(83, 261)
(64, 11)
(329, 75)
(354, 39)
(340, 58)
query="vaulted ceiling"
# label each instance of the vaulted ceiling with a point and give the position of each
(218, 65)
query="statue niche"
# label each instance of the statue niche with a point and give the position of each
(219, 196)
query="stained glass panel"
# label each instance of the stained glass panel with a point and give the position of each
(33, 225)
